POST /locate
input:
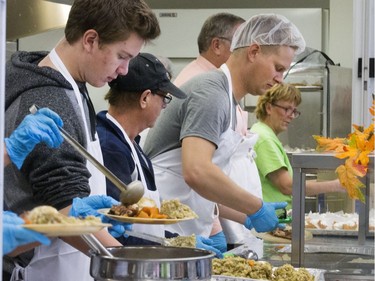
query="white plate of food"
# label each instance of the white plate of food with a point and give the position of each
(142, 220)
(52, 223)
(147, 212)
(57, 230)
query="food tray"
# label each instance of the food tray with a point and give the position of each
(359, 250)
(333, 232)
(364, 262)
(230, 278)
(318, 274)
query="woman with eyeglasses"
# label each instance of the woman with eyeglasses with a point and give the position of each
(274, 111)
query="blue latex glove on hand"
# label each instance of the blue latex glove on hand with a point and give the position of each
(206, 244)
(219, 241)
(14, 235)
(43, 126)
(265, 219)
(88, 206)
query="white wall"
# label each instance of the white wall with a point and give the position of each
(179, 33)
(341, 32)
(340, 44)
(180, 27)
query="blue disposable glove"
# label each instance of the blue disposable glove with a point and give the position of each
(43, 126)
(219, 241)
(9, 217)
(83, 207)
(14, 235)
(207, 244)
(265, 219)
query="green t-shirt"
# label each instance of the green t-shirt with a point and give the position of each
(271, 156)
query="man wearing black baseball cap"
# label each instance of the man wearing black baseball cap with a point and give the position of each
(146, 72)
(135, 102)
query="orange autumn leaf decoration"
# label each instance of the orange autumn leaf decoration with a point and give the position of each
(356, 148)
(348, 178)
(327, 144)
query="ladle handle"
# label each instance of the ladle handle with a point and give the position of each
(95, 245)
(115, 180)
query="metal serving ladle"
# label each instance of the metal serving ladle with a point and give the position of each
(130, 194)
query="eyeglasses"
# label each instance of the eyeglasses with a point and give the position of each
(225, 38)
(289, 111)
(166, 98)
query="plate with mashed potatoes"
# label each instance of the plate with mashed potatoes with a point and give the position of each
(49, 221)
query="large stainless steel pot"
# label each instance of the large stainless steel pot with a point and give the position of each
(152, 263)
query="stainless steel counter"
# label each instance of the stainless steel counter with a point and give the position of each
(341, 259)
(310, 163)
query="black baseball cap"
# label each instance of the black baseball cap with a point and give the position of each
(146, 72)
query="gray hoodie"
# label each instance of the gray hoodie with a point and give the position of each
(48, 176)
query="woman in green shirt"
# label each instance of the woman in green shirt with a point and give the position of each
(274, 111)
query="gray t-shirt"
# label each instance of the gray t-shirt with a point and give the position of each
(204, 113)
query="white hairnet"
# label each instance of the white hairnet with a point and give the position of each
(268, 29)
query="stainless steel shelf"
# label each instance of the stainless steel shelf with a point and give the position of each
(311, 162)
(310, 88)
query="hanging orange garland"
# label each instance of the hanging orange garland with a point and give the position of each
(356, 148)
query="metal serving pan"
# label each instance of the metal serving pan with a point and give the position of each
(152, 263)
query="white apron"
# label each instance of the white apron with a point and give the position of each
(157, 230)
(169, 179)
(243, 171)
(60, 261)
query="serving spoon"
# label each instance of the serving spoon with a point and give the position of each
(96, 245)
(130, 193)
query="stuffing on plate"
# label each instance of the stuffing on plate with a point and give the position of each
(176, 210)
(49, 215)
(183, 241)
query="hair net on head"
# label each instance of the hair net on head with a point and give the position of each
(268, 29)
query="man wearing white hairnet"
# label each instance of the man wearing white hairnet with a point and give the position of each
(193, 141)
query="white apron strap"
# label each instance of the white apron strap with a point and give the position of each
(132, 147)
(97, 179)
(226, 71)
(63, 70)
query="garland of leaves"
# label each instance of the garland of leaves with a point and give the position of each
(356, 147)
